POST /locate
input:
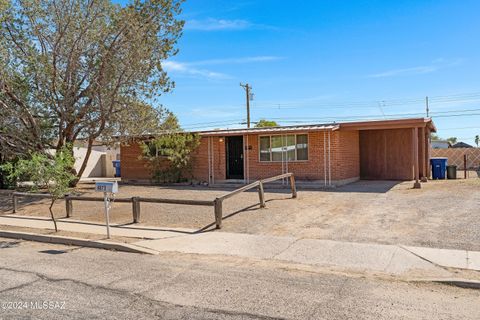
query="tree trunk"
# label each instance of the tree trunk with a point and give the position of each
(2, 182)
(51, 214)
(84, 163)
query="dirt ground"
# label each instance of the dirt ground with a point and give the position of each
(443, 214)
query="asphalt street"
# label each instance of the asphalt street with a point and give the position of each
(43, 281)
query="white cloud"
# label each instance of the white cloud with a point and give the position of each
(236, 60)
(191, 68)
(435, 65)
(405, 72)
(186, 69)
(212, 24)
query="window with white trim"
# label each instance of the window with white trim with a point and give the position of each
(290, 147)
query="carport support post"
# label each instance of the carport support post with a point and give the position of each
(261, 194)
(423, 156)
(417, 184)
(218, 212)
(136, 209)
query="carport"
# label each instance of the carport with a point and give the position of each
(394, 149)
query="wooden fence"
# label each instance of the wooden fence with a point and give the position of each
(136, 201)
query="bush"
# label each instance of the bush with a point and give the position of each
(50, 173)
(169, 156)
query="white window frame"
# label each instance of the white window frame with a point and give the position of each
(287, 134)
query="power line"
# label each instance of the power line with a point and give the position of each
(433, 100)
(460, 128)
(443, 114)
(440, 114)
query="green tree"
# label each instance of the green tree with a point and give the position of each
(68, 69)
(142, 119)
(51, 174)
(435, 137)
(477, 139)
(452, 140)
(266, 123)
(170, 155)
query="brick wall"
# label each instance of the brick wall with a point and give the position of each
(132, 167)
(345, 155)
(200, 159)
(344, 158)
(311, 169)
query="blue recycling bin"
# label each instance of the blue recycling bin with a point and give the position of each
(116, 165)
(439, 167)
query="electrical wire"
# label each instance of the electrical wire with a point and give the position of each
(433, 100)
(371, 104)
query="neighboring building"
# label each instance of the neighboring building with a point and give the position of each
(441, 144)
(324, 154)
(100, 161)
(461, 145)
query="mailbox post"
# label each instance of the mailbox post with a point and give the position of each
(108, 188)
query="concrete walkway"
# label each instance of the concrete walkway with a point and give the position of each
(348, 256)
(133, 231)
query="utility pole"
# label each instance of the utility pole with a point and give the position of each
(249, 96)
(426, 105)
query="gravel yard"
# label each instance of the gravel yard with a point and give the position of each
(442, 214)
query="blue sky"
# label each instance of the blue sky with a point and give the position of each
(318, 61)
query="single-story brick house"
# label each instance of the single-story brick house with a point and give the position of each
(323, 154)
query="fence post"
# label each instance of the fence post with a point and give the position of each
(136, 209)
(218, 212)
(68, 206)
(261, 194)
(293, 186)
(15, 202)
(465, 166)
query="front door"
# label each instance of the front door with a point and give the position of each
(234, 154)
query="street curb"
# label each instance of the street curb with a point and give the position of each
(466, 284)
(72, 241)
(456, 282)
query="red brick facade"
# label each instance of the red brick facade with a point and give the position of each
(337, 154)
(344, 159)
(132, 166)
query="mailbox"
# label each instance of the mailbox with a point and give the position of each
(111, 187)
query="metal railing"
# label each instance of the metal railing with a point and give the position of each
(136, 201)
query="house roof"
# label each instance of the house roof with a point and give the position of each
(461, 145)
(357, 125)
(312, 127)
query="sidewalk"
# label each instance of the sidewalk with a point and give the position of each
(345, 256)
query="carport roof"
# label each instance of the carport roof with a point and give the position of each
(390, 124)
(357, 125)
